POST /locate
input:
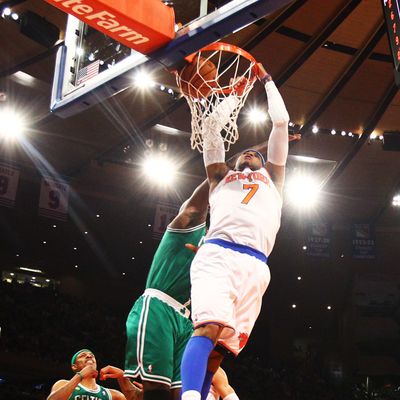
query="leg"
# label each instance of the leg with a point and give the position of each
(212, 313)
(155, 391)
(214, 361)
(150, 346)
(195, 359)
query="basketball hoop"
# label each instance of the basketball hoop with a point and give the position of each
(216, 88)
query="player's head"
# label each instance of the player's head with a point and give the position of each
(81, 359)
(250, 158)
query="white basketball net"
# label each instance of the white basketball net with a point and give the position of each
(228, 93)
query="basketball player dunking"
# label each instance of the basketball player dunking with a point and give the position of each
(229, 274)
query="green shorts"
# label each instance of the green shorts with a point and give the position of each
(156, 338)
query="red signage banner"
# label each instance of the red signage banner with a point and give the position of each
(143, 25)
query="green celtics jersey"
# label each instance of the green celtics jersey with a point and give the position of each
(170, 269)
(83, 393)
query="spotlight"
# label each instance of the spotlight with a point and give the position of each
(6, 12)
(143, 80)
(12, 125)
(294, 306)
(256, 116)
(329, 308)
(15, 16)
(80, 51)
(333, 132)
(303, 191)
(315, 129)
(373, 135)
(159, 169)
(343, 133)
(396, 200)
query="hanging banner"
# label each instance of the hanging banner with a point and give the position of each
(363, 241)
(165, 213)
(53, 202)
(319, 239)
(9, 178)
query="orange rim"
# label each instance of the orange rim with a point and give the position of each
(231, 48)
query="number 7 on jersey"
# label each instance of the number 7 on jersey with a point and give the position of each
(252, 187)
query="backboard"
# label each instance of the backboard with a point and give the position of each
(91, 67)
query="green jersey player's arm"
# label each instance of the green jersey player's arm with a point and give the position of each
(193, 211)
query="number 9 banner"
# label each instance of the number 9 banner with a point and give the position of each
(8, 185)
(53, 202)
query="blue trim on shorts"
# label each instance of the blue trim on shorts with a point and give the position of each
(241, 248)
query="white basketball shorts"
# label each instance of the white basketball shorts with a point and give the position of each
(227, 289)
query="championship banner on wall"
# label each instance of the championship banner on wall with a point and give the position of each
(165, 213)
(53, 202)
(363, 241)
(319, 239)
(9, 178)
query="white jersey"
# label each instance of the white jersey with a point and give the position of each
(246, 209)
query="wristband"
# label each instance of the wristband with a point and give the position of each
(265, 79)
(80, 375)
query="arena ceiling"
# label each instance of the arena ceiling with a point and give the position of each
(332, 63)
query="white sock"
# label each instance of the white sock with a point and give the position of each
(232, 396)
(191, 395)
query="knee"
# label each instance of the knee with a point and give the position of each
(212, 331)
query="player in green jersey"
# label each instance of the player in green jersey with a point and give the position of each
(158, 325)
(83, 386)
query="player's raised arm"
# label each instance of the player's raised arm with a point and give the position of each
(63, 389)
(278, 145)
(193, 211)
(129, 390)
(213, 143)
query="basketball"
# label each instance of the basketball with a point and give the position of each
(198, 78)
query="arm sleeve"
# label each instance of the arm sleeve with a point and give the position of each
(278, 144)
(213, 143)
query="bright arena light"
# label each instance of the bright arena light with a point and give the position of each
(12, 125)
(396, 200)
(160, 169)
(315, 129)
(303, 191)
(143, 80)
(256, 116)
(6, 12)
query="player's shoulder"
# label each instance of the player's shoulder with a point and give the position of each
(59, 384)
(116, 395)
